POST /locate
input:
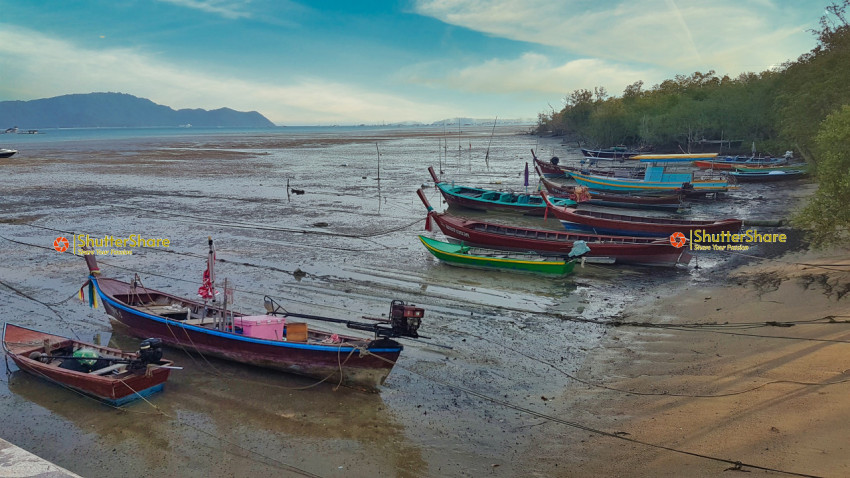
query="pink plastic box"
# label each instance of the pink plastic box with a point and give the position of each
(261, 326)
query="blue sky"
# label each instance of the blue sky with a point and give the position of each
(329, 62)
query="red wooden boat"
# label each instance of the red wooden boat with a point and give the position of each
(549, 169)
(627, 250)
(108, 374)
(618, 224)
(265, 340)
(667, 202)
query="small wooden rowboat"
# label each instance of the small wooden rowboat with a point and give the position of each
(618, 224)
(606, 249)
(488, 200)
(465, 256)
(108, 374)
(269, 341)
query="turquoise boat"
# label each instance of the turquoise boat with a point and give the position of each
(489, 200)
(656, 179)
(478, 258)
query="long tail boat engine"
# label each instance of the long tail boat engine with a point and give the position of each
(150, 351)
(405, 319)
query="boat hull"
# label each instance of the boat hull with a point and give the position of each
(107, 389)
(766, 176)
(636, 185)
(459, 255)
(334, 363)
(626, 250)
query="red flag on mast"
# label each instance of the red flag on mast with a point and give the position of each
(207, 290)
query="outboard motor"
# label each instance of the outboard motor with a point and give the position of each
(405, 319)
(150, 351)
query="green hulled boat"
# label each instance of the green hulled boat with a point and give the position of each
(788, 167)
(465, 256)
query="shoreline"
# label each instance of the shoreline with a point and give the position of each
(734, 388)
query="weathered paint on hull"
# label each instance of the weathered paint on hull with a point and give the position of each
(317, 361)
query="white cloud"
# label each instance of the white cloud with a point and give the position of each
(726, 35)
(37, 66)
(231, 9)
(533, 73)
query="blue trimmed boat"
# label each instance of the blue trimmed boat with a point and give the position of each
(489, 200)
(269, 341)
(656, 179)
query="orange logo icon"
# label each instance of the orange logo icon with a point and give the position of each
(677, 239)
(60, 244)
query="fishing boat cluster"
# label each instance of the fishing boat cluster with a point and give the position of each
(589, 199)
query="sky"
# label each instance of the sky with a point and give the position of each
(373, 62)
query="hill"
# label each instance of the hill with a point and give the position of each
(117, 110)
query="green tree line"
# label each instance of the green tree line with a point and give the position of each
(803, 106)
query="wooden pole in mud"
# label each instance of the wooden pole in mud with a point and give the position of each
(379, 160)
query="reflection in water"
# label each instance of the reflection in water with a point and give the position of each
(238, 420)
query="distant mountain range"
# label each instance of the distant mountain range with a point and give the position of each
(116, 110)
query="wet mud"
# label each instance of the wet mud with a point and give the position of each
(455, 405)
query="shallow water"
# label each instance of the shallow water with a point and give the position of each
(498, 334)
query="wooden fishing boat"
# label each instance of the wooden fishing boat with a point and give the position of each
(549, 169)
(488, 200)
(616, 249)
(786, 167)
(268, 341)
(598, 222)
(616, 152)
(734, 162)
(655, 180)
(667, 202)
(463, 255)
(105, 373)
(767, 176)
(675, 157)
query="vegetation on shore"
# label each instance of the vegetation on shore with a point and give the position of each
(802, 106)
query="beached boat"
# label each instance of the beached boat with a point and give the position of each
(667, 202)
(606, 249)
(598, 222)
(766, 176)
(269, 341)
(674, 157)
(616, 152)
(656, 179)
(107, 374)
(783, 167)
(7, 153)
(734, 162)
(557, 170)
(489, 200)
(463, 255)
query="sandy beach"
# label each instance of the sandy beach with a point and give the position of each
(715, 379)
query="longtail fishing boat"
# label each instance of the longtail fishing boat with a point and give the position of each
(599, 222)
(605, 249)
(271, 340)
(107, 374)
(488, 200)
(756, 176)
(667, 202)
(462, 255)
(655, 180)
(616, 152)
